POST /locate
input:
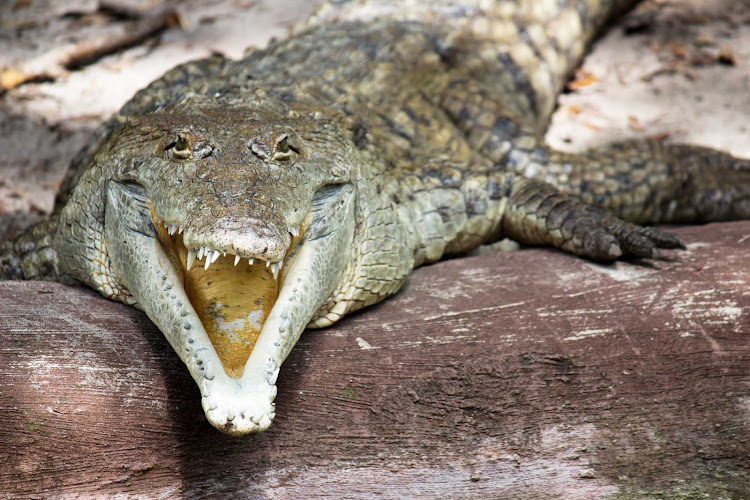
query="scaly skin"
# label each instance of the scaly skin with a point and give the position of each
(375, 139)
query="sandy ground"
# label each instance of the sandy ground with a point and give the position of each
(678, 70)
(667, 79)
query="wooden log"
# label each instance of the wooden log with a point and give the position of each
(529, 374)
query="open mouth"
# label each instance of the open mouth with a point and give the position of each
(231, 294)
(232, 317)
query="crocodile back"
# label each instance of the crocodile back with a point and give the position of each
(535, 43)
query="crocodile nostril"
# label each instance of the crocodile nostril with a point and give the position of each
(202, 150)
(258, 150)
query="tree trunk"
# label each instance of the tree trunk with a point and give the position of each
(523, 375)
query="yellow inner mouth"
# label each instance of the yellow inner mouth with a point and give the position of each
(232, 302)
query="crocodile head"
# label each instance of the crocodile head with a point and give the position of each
(230, 222)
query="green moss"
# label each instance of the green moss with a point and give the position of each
(37, 427)
(350, 393)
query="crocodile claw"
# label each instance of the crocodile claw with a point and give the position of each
(593, 233)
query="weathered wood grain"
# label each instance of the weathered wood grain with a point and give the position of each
(529, 374)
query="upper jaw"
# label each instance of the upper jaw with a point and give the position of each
(251, 245)
(142, 264)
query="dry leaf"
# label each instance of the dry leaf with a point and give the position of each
(634, 123)
(583, 79)
(659, 136)
(592, 125)
(704, 39)
(727, 57)
(678, 49)
(11, 77)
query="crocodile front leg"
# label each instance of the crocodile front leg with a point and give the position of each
(459, 208)
(31, 255)
(537, 213)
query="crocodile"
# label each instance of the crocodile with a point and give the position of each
(238, 202)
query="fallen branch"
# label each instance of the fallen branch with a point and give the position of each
(525, 375)
(147, 23)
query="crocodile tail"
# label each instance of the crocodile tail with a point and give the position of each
(31, 255)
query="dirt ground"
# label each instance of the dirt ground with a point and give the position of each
(677, 70)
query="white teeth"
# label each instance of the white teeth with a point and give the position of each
(190, 259)
(172, 229)
(212, 256)
(182, 228)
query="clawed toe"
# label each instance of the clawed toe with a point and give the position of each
(629, 239)
(663, 239)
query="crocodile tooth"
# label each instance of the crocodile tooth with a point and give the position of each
(268, 263)
(166, 225)
(215, 256)
(250, 261)
(225, 253)
(275, 270)
(180, 229)
(172, 229)
(190, 258)
(200, 253)
(208, 262)
(236, 259)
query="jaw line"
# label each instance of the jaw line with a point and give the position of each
(139, 261)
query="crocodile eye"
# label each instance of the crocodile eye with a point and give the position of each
(180, 148)
(283, 145)
(282, 149)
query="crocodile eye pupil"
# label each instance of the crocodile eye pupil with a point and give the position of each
(181, 144)
(283, 145)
